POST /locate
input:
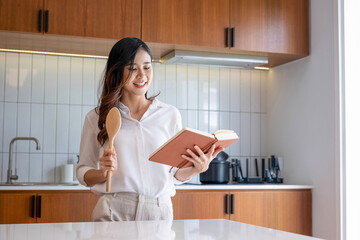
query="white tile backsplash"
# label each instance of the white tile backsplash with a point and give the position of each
(2, 75)
(51, 75)
(245, 93)
(49, 128)
(11, 77)
(170, 76)
(235, 90)
(255, 91)
(25, 62)
(76, 78)
(47, 97)
(181, 86)
(88, 86)
(224, 89)
(38, 79)
(214, 88)
(74, 129)
(1, 126)
(245, 137)
(10, 124)
(193, 85)
(23, 127)
(37, 126)
(62, 129)
(35, 168)
(255, 134)
(63, 85)
(203, 91)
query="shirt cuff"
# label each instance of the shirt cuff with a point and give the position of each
(176, 181)
(80, 173)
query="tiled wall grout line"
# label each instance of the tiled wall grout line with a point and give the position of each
(30, 132)
(17, 112)
(56, 114)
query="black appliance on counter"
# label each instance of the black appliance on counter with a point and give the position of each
(218, 172)
(270, 175)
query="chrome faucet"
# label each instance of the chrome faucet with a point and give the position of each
(10, 176)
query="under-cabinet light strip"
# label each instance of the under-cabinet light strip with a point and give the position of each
(52, 53)
(261, 68)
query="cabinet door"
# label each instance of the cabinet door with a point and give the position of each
(276, 26)
(66, 17)
(20, 15)
(199, 205)
(113, 18)
(288, 210)
(66, 207)
(17, 208)
(188, 22)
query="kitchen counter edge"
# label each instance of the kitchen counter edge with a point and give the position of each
(178, 187)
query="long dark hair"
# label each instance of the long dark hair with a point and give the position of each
(122, 54)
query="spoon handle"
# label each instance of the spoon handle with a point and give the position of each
(109, 173)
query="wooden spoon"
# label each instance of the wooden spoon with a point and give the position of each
(112, 124)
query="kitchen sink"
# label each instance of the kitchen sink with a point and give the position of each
(37, 184)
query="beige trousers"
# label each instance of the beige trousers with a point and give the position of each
(132, 207)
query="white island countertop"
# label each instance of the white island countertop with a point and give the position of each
(178, 187)
(214, 229)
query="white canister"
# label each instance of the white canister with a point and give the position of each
(67, 173)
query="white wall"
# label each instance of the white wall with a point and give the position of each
(48, 96)
(302, 113)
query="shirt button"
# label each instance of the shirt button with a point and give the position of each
(138, 124)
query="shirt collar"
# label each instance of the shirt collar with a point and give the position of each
(155, 104)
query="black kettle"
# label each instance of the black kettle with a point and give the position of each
(218, 172)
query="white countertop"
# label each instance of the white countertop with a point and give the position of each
(161, 230)
(178, 187)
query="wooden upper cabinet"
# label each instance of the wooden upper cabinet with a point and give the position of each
(20, 15)
(274, 26)
(113, 18)
(66, 17)
(186, 22)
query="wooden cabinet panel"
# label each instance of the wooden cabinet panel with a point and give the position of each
(199, 205)
(113, 18)
(282, 210)
(275, 26)
(17, 208)
(66, 207)
(20, 15)
(286, 210)
(66, 17)
(188, 22)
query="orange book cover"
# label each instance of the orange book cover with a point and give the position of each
(170, 152)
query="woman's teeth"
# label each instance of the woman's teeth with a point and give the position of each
(140, 84)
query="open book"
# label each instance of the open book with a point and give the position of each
(170, 152)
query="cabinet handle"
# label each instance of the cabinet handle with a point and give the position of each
(232, 204)
(39, 213)
(40, 20)
(46, 20)
(232, 37)
(33, 210)
(227, 31)
(227, 204)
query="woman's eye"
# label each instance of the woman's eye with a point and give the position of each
(146, 68)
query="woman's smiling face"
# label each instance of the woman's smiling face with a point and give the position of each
(139, 75)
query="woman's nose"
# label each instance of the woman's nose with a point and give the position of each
(141, 73)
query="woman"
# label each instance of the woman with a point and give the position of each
(140, 189)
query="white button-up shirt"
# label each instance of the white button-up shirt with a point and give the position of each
(133, 144)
